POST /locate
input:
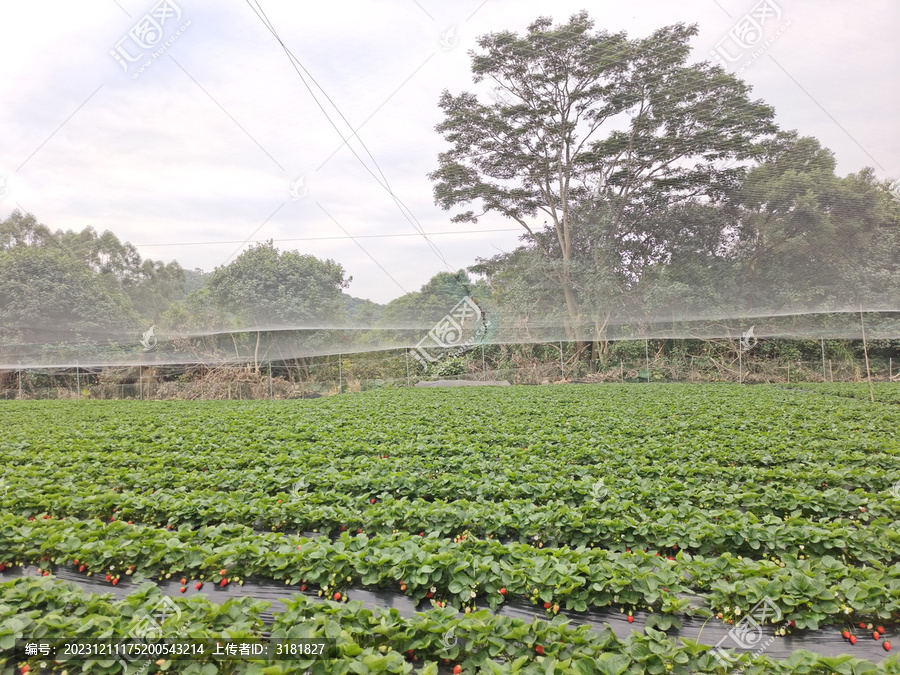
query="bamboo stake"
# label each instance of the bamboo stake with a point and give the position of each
(824, 378)
(647, 356)
(866, 353)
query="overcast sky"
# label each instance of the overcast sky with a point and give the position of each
(200, 151)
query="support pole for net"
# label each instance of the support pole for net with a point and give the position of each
(141, 381)
(340, 375)
(824, 376)
(20, 381)
(270, 379)
(562, 369)
(78, 379)
(862, 325)
(483, 370)
(407, 366)
(647, 357)
(740, 363)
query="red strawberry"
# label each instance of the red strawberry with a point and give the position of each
(630, 619)
(887, 646)
(457, 669)
(875, 635)
(46, 574)
(24, 669)
(109, 577)
(793, 624)
(182, 589)
(548, 605)
(115, 581)
(862, 625)
(32, 518)
(223, 583)
(112, 518)
(429, 594)
(846, 634)
(303, 587)
(880, 629)
(502, 591)
(222, 573)
(337, 596)
(539, 649)
(852, 639)
(343, 528)
(183, 581)
(358, 530)
(81, 569)
(198, 585)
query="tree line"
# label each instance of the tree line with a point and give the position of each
(651, 190)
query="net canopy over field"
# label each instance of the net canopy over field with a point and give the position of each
(648, 191)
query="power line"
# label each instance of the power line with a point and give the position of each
(251, 236)
(362, 247)
(358, 236)
(295, 62)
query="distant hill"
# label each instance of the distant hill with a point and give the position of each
(363, 310)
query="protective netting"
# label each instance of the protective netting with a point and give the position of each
(656, 197)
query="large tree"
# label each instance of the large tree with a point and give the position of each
(803, 231)
(52, 306)
(151, 285)
(265, 289)
(594, 117)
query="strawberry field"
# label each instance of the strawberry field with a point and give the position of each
(509, 518)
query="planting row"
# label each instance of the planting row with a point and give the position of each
(870, 535)
(884, 392)
(436, 641)
(95, 484)
(810, 591)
